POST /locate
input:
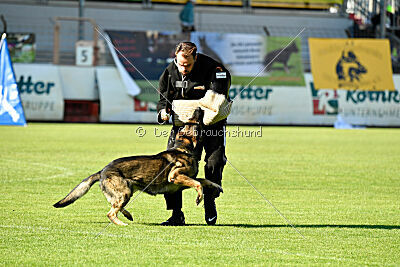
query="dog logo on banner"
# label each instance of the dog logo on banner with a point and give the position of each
(351, 64)
(349, 68)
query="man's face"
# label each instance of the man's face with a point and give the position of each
(185, 64)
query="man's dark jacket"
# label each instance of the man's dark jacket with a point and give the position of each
(206, 74)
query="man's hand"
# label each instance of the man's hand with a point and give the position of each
(164, 115)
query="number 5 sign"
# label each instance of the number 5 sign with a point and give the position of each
(84, 53)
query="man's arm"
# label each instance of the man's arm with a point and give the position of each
(162, 89)
(163, 108)
(220, 80)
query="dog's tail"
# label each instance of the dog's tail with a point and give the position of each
(210, 187)
(78, 191)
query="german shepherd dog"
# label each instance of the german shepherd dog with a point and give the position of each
(280, 55)
(166, 172)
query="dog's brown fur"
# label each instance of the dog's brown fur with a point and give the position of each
(166, 172)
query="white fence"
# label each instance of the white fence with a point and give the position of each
(44, 87)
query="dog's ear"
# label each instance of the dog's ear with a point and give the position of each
(197, 117)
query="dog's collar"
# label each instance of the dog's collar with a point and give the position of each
(192, 123)
(182, 150)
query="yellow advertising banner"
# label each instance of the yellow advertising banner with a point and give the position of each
(351, 64)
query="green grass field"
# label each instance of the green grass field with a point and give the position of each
(340, 189)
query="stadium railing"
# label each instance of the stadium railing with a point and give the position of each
(304, 4)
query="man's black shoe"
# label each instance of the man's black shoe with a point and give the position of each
(177, 219)
(210, 210)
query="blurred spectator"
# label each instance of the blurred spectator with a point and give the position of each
(370, 28)
(376, 19)
(360, 28)
(393, 34)
(187, 17)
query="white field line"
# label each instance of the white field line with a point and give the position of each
(272, 251)
(44, 229)
(320, 257)
(64, 171)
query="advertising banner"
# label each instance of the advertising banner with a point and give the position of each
(22, 47)
(273, 60)
(141, 57)
(78, 83)
(351, 64)
(271, 105)
(268, 105)
(41, 91)
(357, 107)
(116, 105)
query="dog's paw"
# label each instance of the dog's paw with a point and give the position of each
(114, 219)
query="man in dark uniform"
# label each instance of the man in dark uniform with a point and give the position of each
(188, 77)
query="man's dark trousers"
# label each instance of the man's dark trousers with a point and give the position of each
(213, 141)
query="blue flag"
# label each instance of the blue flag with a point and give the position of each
(11, 110)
